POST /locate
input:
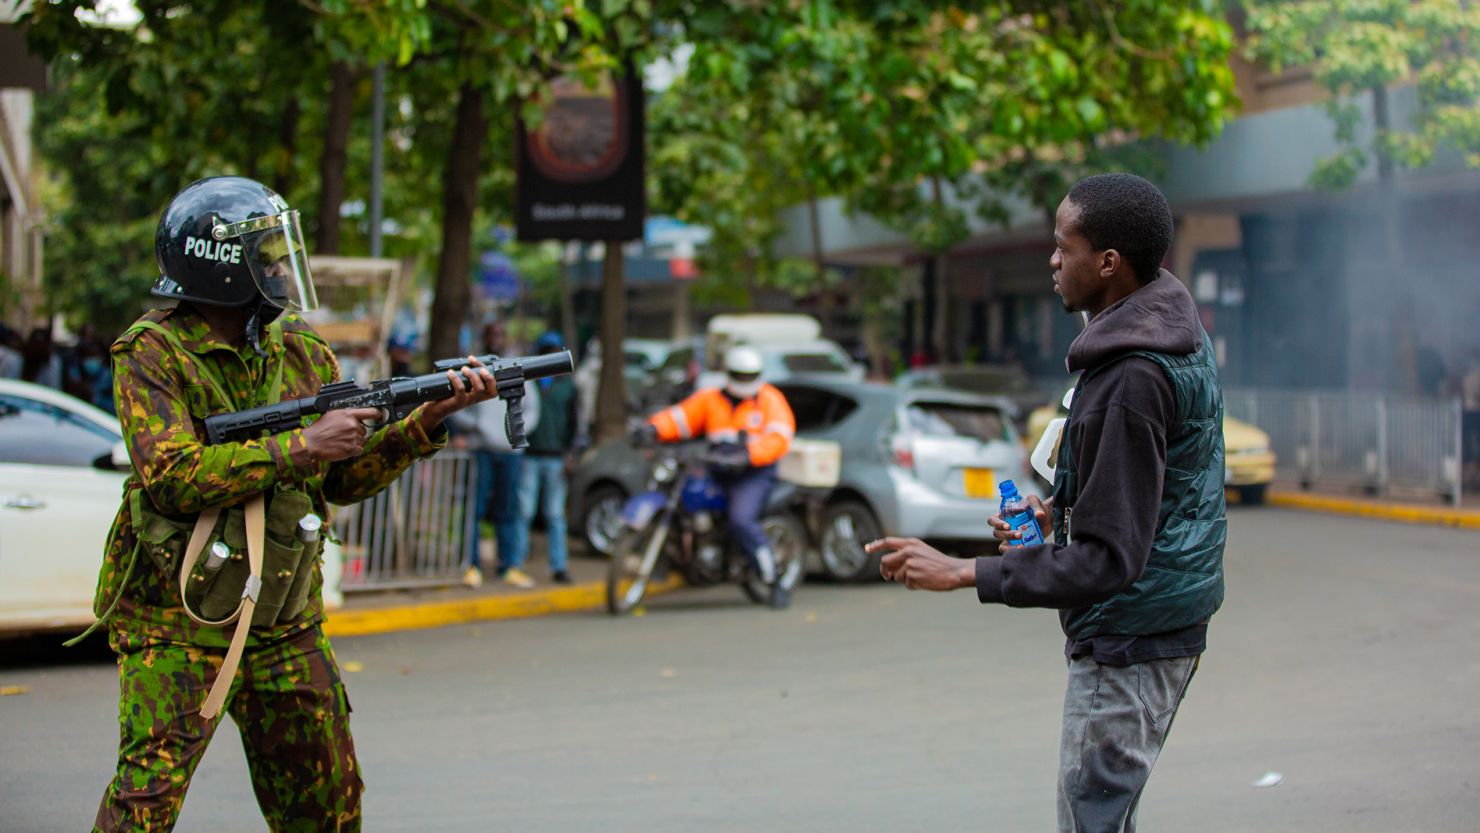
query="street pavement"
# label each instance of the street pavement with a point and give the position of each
(1344, 659)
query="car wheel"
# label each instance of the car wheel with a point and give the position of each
(1252, 495)
(846, 526)
(602, 518)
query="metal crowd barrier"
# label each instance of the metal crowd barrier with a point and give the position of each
(1381, 444)
(416, 532)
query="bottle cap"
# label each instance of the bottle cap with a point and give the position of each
(1007, 487)
(218, 555)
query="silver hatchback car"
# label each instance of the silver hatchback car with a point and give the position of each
(916, 463)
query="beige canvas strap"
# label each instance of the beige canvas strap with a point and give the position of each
(256, 529)
(203, 526)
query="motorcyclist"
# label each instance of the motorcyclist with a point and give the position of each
(749, 426)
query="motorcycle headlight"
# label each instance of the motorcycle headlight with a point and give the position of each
(664, 471)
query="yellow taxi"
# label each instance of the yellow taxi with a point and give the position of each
(1248, 458)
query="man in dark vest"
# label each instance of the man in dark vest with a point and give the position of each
(552, 447)
(1136, 564)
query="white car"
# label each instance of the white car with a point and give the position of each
(62, 467)
(60, 484)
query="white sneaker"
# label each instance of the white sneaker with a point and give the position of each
(473, 577)
(518, 578)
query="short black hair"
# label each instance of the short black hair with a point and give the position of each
(1128, 214)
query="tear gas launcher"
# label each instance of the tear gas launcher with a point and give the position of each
(396, 398)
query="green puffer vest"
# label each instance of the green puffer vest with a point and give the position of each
(1182, 584)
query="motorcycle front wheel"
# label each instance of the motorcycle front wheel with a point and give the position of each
(788, 539)
(634, 555)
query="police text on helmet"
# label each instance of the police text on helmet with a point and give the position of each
(211, 250)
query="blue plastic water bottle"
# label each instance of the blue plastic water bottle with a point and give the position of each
(1019, 515)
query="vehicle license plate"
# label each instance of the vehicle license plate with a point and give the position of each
(980, 482)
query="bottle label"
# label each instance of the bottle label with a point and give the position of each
(1025, 523)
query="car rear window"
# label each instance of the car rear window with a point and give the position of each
(37, 433)
(813, 363)
(939, 419)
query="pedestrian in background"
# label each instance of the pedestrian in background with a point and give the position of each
(1469, 391)
(12, 359)
(87, 372)
(400, 349)
(40, 363)
(481, 430)
(1137, 571)
(553, 445)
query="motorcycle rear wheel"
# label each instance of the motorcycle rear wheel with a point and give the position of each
(634, 555)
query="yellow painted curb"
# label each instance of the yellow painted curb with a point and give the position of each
(1462, 518)
(581, 597)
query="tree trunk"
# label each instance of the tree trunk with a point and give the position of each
(459, 200)
(567, 308)
(282, 180)
(940, 334)
(611, 397)
(940, 331)
(1405, 337)
(335, 158)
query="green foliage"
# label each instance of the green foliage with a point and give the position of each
(923, 115)
(213, 87)
(1355, 46)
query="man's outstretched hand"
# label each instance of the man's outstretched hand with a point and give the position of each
(917, 566)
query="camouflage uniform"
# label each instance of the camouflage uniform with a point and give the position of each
(287, 698)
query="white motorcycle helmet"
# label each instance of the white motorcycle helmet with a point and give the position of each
(743, 370)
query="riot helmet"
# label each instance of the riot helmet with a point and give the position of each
(229, 241)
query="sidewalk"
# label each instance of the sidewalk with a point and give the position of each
(1403, 509)
(383, 611)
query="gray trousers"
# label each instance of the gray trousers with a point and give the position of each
(1116, 720)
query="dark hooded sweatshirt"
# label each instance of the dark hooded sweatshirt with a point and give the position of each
(1117, 428)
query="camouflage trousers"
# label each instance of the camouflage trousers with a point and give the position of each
(288, 703)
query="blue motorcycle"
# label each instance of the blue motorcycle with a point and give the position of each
(679, 524)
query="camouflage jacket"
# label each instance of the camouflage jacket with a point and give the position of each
(162, 398)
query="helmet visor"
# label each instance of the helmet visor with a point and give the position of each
(278, 261)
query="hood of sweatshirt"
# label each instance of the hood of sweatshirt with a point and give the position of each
(1160, 317)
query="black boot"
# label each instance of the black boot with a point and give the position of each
(780, 595)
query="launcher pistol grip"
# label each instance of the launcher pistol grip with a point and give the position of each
(510, 383)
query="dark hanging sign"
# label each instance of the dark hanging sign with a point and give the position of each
(581, 174)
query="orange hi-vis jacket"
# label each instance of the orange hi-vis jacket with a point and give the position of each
(765, 418)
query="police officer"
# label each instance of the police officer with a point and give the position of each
(231, 255)
(750, 427)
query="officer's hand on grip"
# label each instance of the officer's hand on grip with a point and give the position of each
(1006, 536)
(339, 435)
(729, 456)
(644, 434)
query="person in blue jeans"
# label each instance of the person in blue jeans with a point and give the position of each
(552, 445)
(480, 430)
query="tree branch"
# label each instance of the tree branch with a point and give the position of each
(1120, 40)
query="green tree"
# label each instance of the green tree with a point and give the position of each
(926, 114)
(192, 90)
(1363, 49)
(1357, 48)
